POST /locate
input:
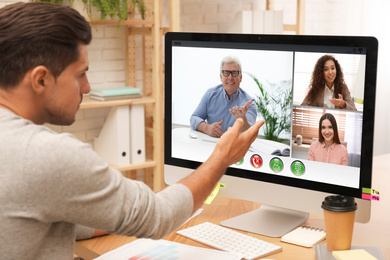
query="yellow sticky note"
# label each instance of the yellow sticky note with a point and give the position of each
(355, 254)
(213, 194)
(360, 101)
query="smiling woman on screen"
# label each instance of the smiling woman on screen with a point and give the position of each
(327, 87)
(328, 147)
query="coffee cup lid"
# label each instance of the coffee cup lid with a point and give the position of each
(338, 203)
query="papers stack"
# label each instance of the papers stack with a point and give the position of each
(164, 249)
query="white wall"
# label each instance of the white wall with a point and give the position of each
(376, 22)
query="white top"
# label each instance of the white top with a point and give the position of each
(328, 94)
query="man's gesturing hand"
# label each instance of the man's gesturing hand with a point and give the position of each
(233, 145)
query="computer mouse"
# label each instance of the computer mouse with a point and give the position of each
(193, 135)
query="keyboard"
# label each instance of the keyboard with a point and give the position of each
(226, 239)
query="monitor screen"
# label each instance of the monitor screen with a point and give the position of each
(315, 93)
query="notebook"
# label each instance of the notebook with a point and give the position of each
(304, 236)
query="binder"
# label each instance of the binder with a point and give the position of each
(113, 143)
(137, 134)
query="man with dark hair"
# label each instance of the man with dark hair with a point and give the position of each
(51, 182)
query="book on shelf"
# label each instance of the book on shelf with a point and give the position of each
(115, 97)
(114, 91)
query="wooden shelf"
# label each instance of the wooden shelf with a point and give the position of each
(92, 103)
(127, 22)
(130, 167)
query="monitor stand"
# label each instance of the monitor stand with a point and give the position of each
(268, 221)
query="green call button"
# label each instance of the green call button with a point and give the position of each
(276, 165)
(297, 168)
(240, 161)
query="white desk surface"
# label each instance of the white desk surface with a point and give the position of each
(184, 136)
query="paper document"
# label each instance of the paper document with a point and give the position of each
(165, 250)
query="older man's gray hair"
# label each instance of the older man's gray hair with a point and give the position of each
(231, 59)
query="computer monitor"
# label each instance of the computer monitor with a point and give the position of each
(280, 170)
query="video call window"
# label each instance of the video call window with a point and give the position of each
(306, 124)
(283, 75)
(353, 68)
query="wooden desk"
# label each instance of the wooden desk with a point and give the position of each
(374, 233)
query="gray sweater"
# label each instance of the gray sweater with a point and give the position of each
(51, 182)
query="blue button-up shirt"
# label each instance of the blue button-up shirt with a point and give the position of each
(215, 104)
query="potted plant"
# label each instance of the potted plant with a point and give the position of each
(114, 9)
(298, 139)
(274, 105)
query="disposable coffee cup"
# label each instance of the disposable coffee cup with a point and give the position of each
(339, 215)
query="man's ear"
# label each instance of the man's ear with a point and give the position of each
(41, 79)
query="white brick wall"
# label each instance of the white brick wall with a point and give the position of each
(322, 16)
(210, 16)
(7, 2)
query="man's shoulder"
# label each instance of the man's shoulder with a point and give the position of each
(26, 134)
(216, 88)
(214, 91)
(244, 94)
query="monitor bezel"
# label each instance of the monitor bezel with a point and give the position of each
(371, 45)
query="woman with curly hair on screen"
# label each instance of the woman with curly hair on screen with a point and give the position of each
(328, 147)
(327, 87)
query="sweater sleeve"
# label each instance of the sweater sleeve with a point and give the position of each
(72, 184)
(348, 99)
(83, 232)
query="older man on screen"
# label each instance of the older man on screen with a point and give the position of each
(220, 106)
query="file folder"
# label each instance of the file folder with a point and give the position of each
(113, 143)
(137, 134)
